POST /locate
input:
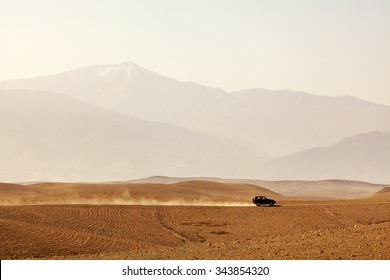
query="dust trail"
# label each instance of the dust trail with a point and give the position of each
(121, 201)
(180, 202)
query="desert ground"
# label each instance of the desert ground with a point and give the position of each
(187, 220)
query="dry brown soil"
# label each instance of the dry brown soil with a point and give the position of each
(295, 229)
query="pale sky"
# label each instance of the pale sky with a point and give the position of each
(329, 47)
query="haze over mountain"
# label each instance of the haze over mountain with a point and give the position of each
(364, 157)
(139, 123)
(50, 136)
(275, 122)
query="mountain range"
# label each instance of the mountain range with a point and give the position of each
(116, 122)
(51, 136)
(364, 157)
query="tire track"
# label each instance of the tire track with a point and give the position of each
(167, 224)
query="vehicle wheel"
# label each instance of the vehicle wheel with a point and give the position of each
(271, 204)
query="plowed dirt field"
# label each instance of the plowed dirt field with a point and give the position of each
(295, 229)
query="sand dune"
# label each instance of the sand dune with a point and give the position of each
(385, 190)
(182, 193)
(383, 194)
(330, 189)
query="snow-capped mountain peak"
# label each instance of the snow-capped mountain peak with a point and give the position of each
(125, 69)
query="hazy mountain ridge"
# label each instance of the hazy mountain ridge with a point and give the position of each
(240, 128)
(364, 157)
(275, 122)
(49, 136)
(126, 88)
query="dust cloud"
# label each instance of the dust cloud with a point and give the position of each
(122, 201)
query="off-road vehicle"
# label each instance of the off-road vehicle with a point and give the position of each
(261, 199)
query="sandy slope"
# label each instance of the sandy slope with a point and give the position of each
(330, 189)
(297, 229)
(188, 193)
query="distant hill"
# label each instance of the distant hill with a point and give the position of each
(182, 193)
(385, 190)
(364, 157)
(339, 189)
